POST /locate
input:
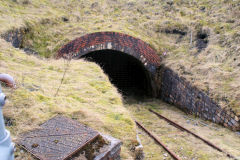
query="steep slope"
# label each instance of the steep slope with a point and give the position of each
(85, 95)
(200, 38)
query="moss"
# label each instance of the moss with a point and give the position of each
(51, 68)
(78, 98)
(100, 86)
(182, 13)
(222, 28)
(42, 98)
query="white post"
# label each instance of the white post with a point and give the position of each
(191, 39)
(6, 145)
(2, 126)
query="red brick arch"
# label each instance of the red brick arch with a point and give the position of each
(112, 41)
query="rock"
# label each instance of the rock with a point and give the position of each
(65, 19)
(170, 2)
(139, 10)
(230, 21)
(236, 118)
(86, 12)
(202, 8)
(139, 154)
(130, 4)
(94, 5)
(30, 51)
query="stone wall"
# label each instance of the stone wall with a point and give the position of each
(177, 91)
(113, 151)
(16, 38)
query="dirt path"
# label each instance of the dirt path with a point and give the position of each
(183, 144)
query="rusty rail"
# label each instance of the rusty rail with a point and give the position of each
(158, 141)
(195, 135)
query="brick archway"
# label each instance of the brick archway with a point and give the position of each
(114, 41)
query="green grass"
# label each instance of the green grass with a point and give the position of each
(86, 93)
(82, 96)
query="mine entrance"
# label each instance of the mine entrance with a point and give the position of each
(124, 71)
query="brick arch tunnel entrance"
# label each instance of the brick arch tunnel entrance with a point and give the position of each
(130, 63)
(124, 71)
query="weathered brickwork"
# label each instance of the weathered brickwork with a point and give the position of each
(114, 41)
(167, 84)
(177, 91)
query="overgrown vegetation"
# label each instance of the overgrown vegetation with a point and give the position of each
(171, 26)
(200, 38)
(33, 102)
(181, 143)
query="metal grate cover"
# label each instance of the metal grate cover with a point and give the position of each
(57, 139)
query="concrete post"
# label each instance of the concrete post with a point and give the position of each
(6, 145)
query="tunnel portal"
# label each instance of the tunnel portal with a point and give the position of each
(124, 71)
(135, 68)
(130, 63)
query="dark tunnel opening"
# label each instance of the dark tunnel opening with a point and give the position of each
(124, 71)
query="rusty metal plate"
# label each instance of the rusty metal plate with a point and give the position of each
(57, 139)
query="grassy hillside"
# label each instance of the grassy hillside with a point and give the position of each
(200, 37)
(85, 95)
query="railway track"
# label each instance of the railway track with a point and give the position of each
(215, 142)
(174, 156)
(158, 141)
(195, 135)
